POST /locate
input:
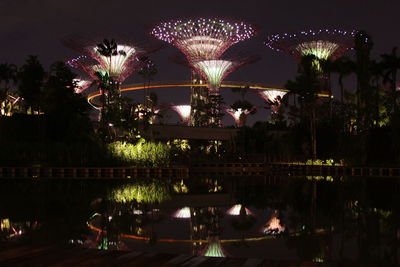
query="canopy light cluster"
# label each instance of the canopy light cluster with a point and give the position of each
(237, 114)
(81, 85)
(323, 43)
(235, 210)
(119, 61)
(214, 71)
(214, 248)
(273, 226)
(203, 38)
(183, 213)
(272, 96)
(183, 111)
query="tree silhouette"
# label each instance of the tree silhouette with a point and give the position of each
(31, 77)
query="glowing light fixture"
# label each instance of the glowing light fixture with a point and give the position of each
(235, 210)
(183, 213)
(183, 111)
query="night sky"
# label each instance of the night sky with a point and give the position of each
(35, 27)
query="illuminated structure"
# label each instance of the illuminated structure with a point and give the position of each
(323, 44)
(214, 71)
(202, 39)
(238, 115)
(183, 111)
(81, 85)
(235, 210)
(273, 226)
(183, 213)
(214, 248)
(119, 65)
(273, 97)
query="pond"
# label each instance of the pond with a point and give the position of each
(313, 218)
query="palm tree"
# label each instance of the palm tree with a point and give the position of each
(307, 86)
(364, 94)
(391, 63)
(148, 71)
(30, 78)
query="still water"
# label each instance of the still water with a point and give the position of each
(316, 219)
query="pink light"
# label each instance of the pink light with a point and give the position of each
(203, 38)
(273, 226)
(272, 95)
(183, 111)
(238, 114)
(81, 85)
(235, 210)
(183, 213)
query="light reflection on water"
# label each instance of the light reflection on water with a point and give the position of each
(274, 218)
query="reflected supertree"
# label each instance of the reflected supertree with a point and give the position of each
(323, 43)
(202, 39)
(183, 111)
(235, 210)
(214, 248)
(183, 213)
(273, 226)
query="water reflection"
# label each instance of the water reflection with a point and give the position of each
(316, 219)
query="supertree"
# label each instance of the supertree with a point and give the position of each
(81, 85)
(235, 210)
(324, 44)
(239, 115)
(114, 58)
(202, 39)
(214, 248)
(183, 213)
(272, 97)
(183, 111)
(214, 71)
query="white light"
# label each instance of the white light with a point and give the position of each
(81, 85)
(183, 111)
(214, 71)
(237, 114)
(116, 65)
(272, 95)
(183, 213)
(235, 210)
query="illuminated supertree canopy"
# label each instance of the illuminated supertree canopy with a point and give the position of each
(91, 67)
(237, 114)
(183, 213)
(120, 64)
(273, 226)
(203, 38)
(235, 210)
(81, 85)
(214, 71)
(323, 43)
(183, 111)
(272, 96)
(214, 248)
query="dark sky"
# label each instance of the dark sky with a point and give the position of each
(36, 27)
